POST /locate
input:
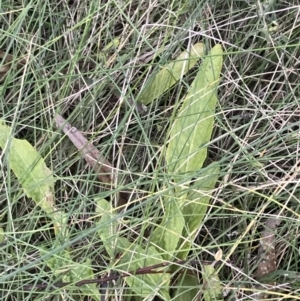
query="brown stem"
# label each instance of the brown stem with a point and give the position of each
(140, 271)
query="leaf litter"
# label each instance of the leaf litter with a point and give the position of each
(266, 251)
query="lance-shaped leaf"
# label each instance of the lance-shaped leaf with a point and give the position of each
(195, 206)
(165, 78)
(168, 233)
(132, 256)
(32, 173)
(191, 131)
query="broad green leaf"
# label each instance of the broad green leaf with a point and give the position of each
(132, 256)
(195, 206)
(145, 285)
(188, 287)
(34, 176)
(84, 271)
(212, 287)
(164, 79)
(62, 265)
(32, 173)
(192, 128)
(167, 235)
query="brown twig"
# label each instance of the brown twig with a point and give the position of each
(116, 276)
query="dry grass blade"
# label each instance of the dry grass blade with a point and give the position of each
(89, 152)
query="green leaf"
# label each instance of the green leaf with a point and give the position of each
(188, 287)
(145, 285)
(62, 265)
(32, 173)
(195, 206)
(131, 256)
(198, 199)
(164, 79)
(109, 226)
(167, 235)
(212, 286)
(34, 176)
(113, 243)
(191, 131)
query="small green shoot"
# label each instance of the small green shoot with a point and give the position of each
(212, 288)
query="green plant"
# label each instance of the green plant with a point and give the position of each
(97, 64)
(183, 211)
(186, 203)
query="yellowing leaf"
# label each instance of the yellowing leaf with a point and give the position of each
(32, 173)
(164, 79)
(191, 131)
(108, 232)
(112, 45)
(30, 169)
